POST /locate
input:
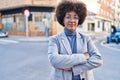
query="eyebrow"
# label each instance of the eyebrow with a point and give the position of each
(70, 14)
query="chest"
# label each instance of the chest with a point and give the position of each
(64, 46)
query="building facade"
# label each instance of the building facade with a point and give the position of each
(117, 13)
(100, 15)
(42, 22)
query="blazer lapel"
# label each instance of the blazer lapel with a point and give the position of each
(79, 41)
(66, 43)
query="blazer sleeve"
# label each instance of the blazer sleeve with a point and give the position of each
(94, 61)
(63, 61)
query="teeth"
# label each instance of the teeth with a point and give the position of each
(71, 24)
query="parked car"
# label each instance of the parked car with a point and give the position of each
(3, 34)
(117, 35)
(114, 37)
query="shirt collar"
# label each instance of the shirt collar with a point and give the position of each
(69, 32)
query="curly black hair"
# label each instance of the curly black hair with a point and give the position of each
(67, 6)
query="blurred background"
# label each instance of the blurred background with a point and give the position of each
(41, 20)
(26, 25)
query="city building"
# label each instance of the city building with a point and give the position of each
(117, 13)
(40, 20)
(37, 17)
(100, 15)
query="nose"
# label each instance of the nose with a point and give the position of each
(72, 20)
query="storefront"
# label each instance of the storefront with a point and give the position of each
(39, 21)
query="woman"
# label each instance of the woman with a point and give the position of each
(71, 53)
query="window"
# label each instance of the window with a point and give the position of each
(98, 24)
(41, 20)
(8, 23)
(21, 24)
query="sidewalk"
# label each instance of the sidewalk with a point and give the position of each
(94, 36)
(111, 45)
(27, 39)
(97, 35)
(103, 35)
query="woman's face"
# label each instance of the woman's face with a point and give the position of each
(71, 20)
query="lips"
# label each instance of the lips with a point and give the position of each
(71, 25)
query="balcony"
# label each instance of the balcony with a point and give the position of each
(8, 4)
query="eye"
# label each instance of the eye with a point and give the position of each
(76, 17)
(72, 17)
(67, 17)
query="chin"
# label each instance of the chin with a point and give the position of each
(72, 29)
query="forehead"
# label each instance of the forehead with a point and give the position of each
(71, 13)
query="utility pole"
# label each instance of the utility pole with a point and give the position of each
(27, 13)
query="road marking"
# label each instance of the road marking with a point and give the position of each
(113, 48)
(8, 41)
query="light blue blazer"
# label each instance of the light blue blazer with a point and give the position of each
(60, 56)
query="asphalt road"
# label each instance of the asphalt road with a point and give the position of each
(110, 69)
(24, 61)
(29, 61)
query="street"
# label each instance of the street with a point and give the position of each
(29, 61)
(110, 69)
(24, 61)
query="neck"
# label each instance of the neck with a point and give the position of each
(69, 32)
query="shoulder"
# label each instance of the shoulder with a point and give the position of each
(52, 37)
(55, 37)
(84, 36)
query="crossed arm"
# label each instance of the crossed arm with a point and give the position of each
(77, 62)
(87, 56)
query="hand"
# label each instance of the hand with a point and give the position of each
(87, 55)
(65, 68)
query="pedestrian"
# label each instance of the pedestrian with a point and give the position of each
(71, 53)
